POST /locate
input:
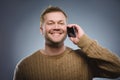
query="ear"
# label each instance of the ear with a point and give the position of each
(41, 29)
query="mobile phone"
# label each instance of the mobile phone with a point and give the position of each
(71, 32)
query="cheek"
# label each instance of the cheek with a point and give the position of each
(65, 28)
(46, 29)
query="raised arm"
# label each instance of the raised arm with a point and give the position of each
(102, 61)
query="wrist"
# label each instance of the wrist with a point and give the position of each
(84, 41)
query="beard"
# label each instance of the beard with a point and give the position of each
(50, 41)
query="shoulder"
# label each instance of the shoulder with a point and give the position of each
(77, 52)
(28, 59)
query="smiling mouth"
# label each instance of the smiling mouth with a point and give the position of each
(56, 32)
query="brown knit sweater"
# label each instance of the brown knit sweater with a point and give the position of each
(90, 61)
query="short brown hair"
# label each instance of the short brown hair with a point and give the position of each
(50, 9)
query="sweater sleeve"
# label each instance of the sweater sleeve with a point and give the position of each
(102, 61)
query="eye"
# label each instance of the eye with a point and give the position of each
(50, 23)
(61, 23)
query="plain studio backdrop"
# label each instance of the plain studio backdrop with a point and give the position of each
(20, 35)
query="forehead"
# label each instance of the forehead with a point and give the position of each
(54, 16)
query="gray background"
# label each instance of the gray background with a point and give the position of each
(19, 27)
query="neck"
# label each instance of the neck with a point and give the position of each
(54, 50)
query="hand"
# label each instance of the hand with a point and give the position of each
(79, 33)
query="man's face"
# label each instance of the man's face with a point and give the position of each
(54, 27)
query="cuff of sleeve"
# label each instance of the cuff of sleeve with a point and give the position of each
(84, 42)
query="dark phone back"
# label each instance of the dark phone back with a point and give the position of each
(71, 32)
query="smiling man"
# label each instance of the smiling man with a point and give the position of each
(54, 30)
(59, 62)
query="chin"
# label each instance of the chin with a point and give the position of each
(57, 41)
(60, 40)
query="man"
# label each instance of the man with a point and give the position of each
(59, 62)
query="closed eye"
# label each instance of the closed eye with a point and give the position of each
(50, 23)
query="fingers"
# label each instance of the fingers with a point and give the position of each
(73, 25)
(74, 40)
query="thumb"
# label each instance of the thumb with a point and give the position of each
(74, 40)
(71, 38)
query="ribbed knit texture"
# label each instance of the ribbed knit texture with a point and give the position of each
(67, 66)
(92, 61)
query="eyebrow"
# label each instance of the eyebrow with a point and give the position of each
(53, 21)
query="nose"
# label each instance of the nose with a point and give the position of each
(56, 26)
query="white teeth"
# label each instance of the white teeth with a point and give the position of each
(56, 31)
(56, 34)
